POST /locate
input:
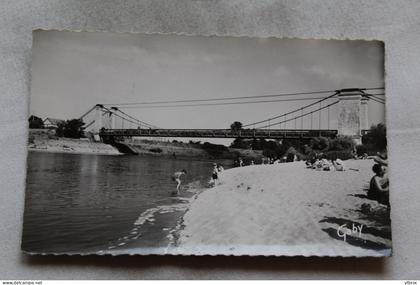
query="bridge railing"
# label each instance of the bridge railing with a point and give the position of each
(218, 133)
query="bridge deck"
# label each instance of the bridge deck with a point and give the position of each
(218, 133)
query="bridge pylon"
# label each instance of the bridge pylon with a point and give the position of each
(352, 113)
(98, 122)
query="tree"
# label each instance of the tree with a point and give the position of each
(236, 126)
(35, 122)
(341, 143)
(240, 143)
(319, 143)
(59, 132)
(256, 144)
(72, 129)
(376, 137)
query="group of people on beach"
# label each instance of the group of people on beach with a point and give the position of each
(215, 175)
(321, 163)
(217, 170)
(267, 160)
(379, 184)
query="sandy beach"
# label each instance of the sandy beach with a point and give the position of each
(283, 209)
(76, 146)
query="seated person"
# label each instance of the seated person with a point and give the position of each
(379, 185)
(338, 165)
(326, 166)
(381, 158)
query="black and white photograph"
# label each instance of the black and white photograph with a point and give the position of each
(206, 145)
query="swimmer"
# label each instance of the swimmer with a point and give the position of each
(177, 178)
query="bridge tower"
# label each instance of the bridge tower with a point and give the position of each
(364, 110)
(352, 113)
(98, 122)
(112, 117)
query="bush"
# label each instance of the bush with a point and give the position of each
(241, 143)
(156, 150)
(214, 149)
(341, 154)
(319, 143)
(71, 129)
(341, 143)
(210, 146)
(35, 122)
(376, 137)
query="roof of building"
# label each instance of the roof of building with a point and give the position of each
(54, 121)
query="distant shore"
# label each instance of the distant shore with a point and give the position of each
(282, 209)
(44, 140)
(76, 146)
(186, 150)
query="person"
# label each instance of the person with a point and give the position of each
(214, 175)
(318, 165)
(338, 165)
(177, 178)
(326, 166)
(241, 162)
(381, 158)
(220, 168)
(379, 185)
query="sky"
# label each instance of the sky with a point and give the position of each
(73, 71)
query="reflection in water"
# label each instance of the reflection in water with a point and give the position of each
(88, 203)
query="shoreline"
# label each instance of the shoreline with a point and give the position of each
(71, 146)
(247, 215)
(38, 150)
(151, 217)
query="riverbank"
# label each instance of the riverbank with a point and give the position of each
(187, 150)
(283, 209)
(46, 141)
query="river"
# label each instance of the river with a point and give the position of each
(100, 203)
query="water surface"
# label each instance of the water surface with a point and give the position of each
(89, 203)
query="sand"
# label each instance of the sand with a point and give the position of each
(75, 146)
(279, 209)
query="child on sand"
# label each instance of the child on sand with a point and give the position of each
(177, 178)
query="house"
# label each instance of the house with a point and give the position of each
(51, 123)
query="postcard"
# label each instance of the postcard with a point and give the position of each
(206, 145)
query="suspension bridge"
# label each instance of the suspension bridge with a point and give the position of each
(110, 122)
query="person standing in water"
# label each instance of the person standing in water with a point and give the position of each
(214, 175)
(177, 178)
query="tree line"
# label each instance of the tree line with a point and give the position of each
(73, 128)
(342, 147)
